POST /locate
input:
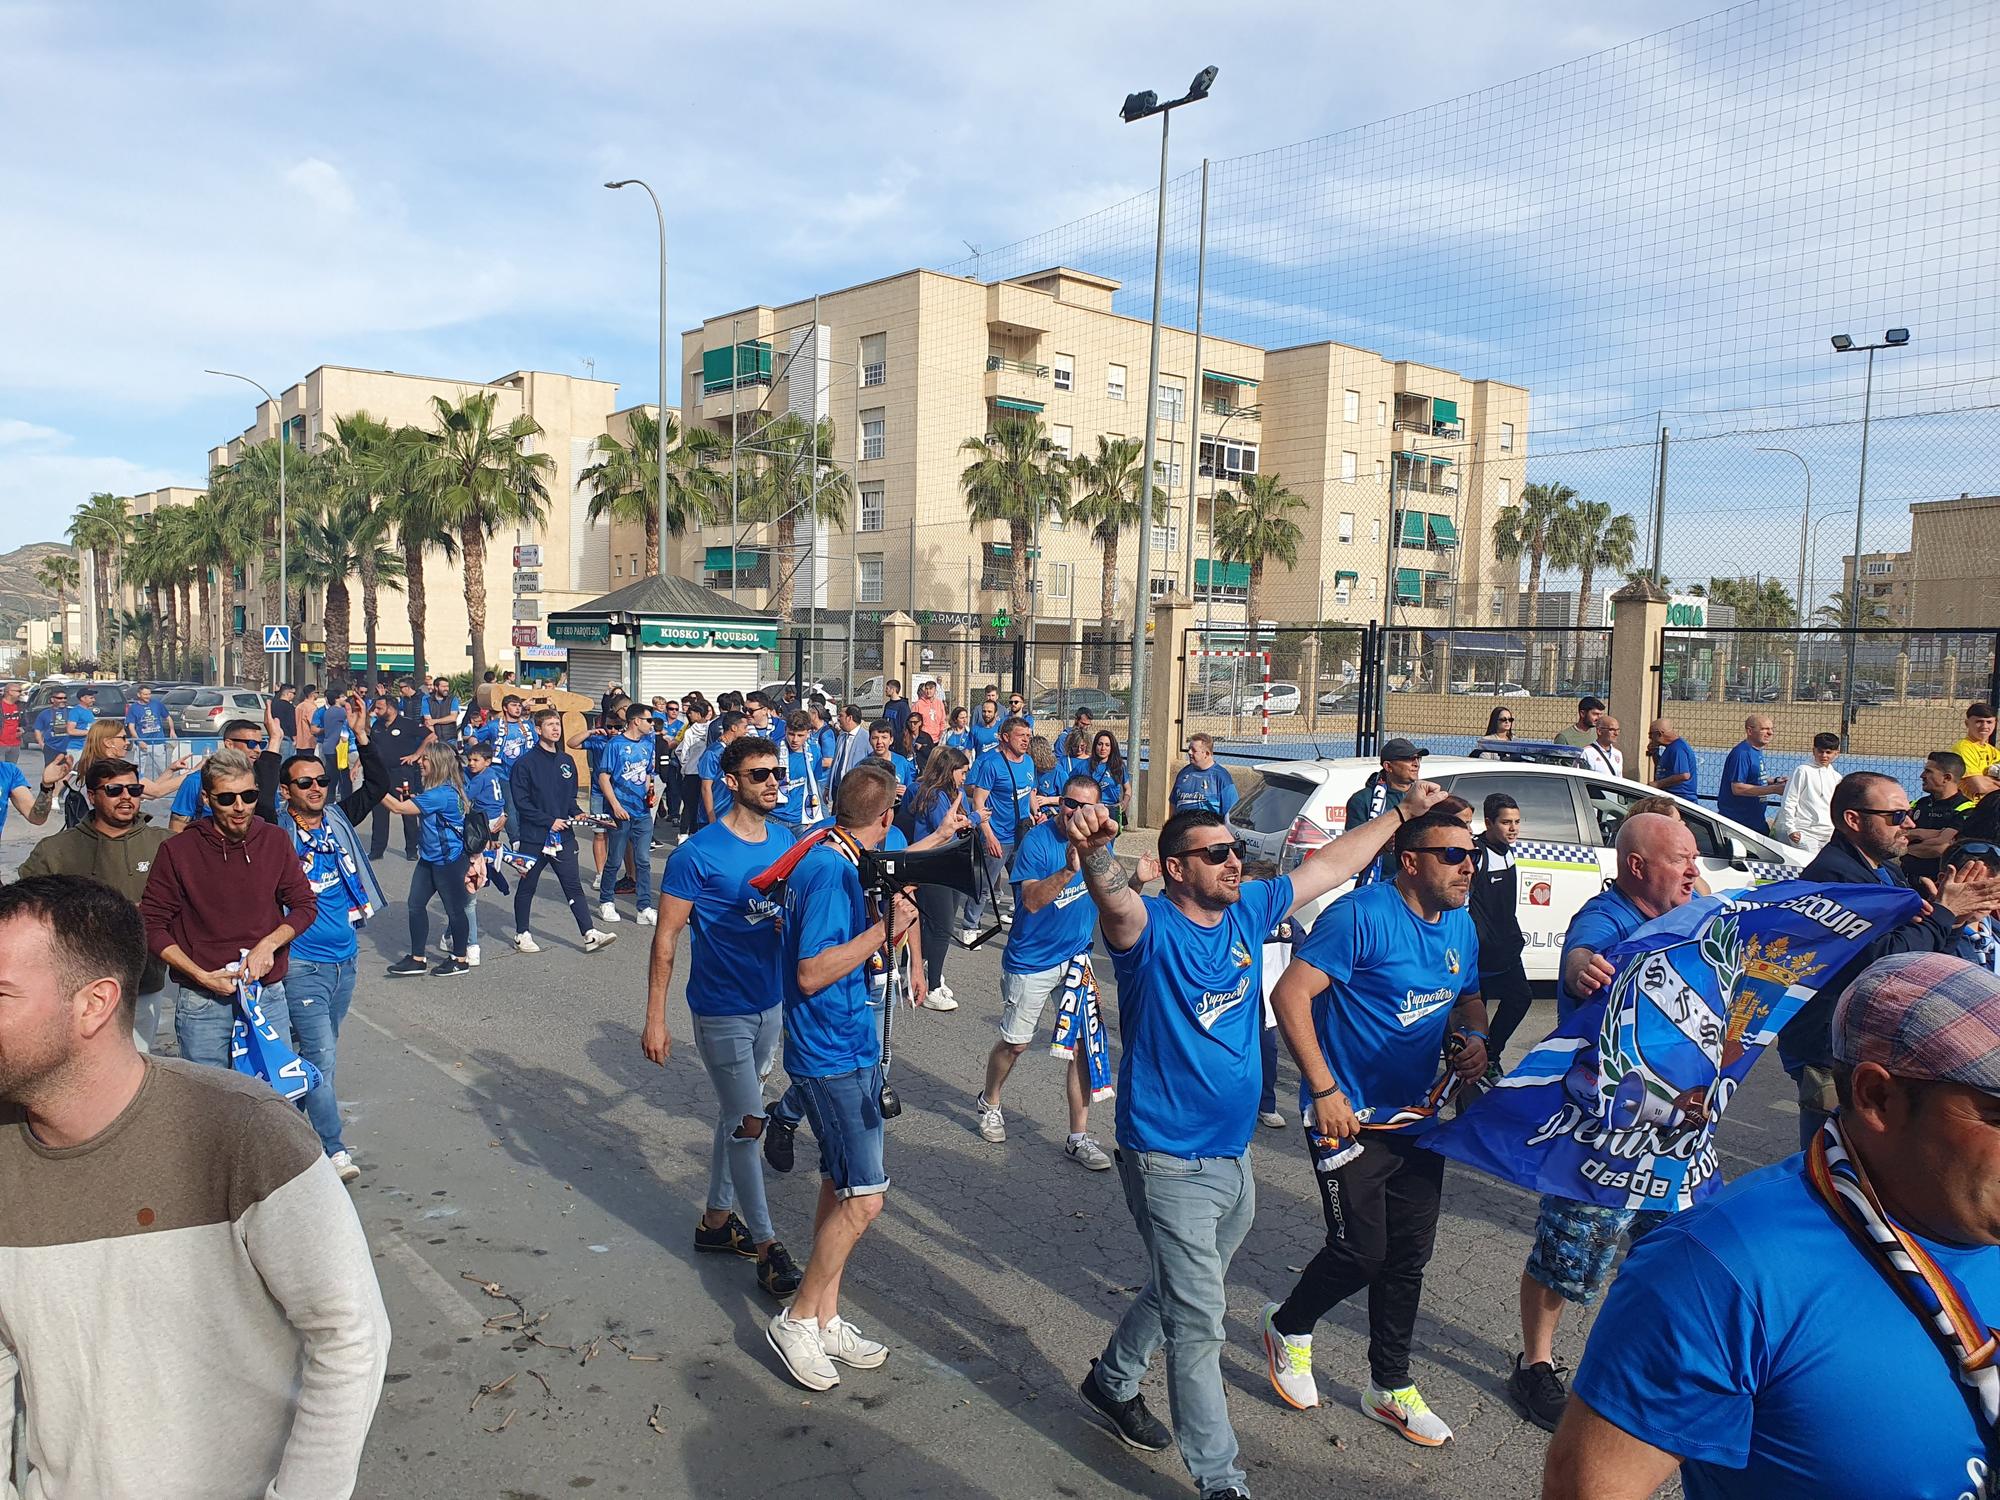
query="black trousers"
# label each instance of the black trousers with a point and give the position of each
(937, 907)
(378, 832)
(1507, 999)
(563, 861)
(447, 883)
(1381, 1219)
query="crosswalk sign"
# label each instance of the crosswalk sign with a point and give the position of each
(277, 639)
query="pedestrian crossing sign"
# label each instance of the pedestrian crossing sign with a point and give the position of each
(277, 639)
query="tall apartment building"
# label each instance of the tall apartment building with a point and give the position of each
(912, 366)
(1886, 583)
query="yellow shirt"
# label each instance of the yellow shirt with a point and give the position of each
(1977, 757)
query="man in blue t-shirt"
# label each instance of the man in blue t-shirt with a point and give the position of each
(59, 729)
(882, 742)
(1190, 1013)
(833, 1053)
(733, 994)
(1741, 794)
(1001, 787)
(1575, 1242)
(1762, 1341)
(625, 781)
(804, 801)
(714, 793)
(1202, 785)
(1673, 760)
(1387, 975)
(514, 737)
(146, 720)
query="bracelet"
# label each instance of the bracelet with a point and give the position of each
(1401, 816)
(1467, 1031)
(1327, 1093)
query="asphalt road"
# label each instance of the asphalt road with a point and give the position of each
(511, 1133)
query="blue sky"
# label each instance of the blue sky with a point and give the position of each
(417, 187)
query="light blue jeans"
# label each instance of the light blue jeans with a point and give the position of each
(636, 833)
(738, 1051)
(1191, 1214)
(202, 1021)
(146, 1019)
(319, 994)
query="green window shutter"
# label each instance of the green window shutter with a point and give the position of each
(715, 369)
(1413, 528)
(1443, 533)
(1443, 410)
(1346, 575)
(1409, 586)
(718, 560)
(1012, 403)
(1229, 575)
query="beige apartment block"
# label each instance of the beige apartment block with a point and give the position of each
(1954, 560)
(1886, 583)
(576, 556)
(910, 367)
(124, 596)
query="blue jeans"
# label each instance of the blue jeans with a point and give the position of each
(738, 1051)
(636, 833)
(202, 1021)
(1191, 1214)
(319, 994)
(846, 1115)
(513, 818)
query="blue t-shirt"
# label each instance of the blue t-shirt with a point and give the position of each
(187, 798)
(1744, 763)
(513, 737)
(440, 826)
(332, 725)
(1190, 1019)
(1058, 932)
(734, 933)
(11, 781)
(1674, 759)
(331, 938)
(831, 1032)
(1109, 787)
(1751, 1337)
(1600, 924)
(802, 776)
(711, 771)
(484, 792)
(1392, 980)
(1212, 790)
(1009, 785)
(961, 739)
(930, 818)
(487, 733)
(629, 764)
(905, 772)
(825, 742)
(64, 730)
(984, 737)
(1050, 782)
(147, 721)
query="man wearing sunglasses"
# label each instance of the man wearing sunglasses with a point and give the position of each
(115, 846)
(1871, 833)
(1382, 792)
(253, 744)
(1189, 1076)
(226, 888)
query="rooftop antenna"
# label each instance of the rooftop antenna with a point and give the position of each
(589, 367)
(976, 253)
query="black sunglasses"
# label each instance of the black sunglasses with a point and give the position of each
(758, 774)
(305, 781)
(246, 744)
(1215, 854)
(123, 789)
(1449, 854)
(1893, 814)
(1071, 804)
(230, 799)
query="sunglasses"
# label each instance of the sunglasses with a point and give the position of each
(1506, 719)
(1071, 804)
(1215, 854)
(246, 744)
(230, 799)
(1893, 814)
(123, 789)
(306, 781)
(1449, 854)
(757, 774)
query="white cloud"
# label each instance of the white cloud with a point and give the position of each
(43, 478)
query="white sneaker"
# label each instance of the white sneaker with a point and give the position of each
(1290, 1358)
(798, 1344)
(343, 1163)
(523, 943)
(843, 1341)
(472, 955)
(1006, 919)
(967, 936)
(444, 943)
(1086, 1152)
(992, 1124)
(648, 917)
(597, 938)
(607, 911)
(1271, 1118)
(1407, 1412)
(939, 999)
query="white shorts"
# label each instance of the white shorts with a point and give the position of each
(1023, 996)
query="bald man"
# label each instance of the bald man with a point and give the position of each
(1575, 1243)
(1603, 753)
(1745, 788)
(1673, 760)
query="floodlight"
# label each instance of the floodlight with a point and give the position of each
(1138, 106)
(1842, 342)
(1896, 336)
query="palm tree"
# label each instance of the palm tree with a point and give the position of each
(212, 549)
(1253, 525)
(361, 454)
(150, 565)
(251, 488)
(625, 480)
(1108, 503)
(1590, 537)
(347, 539)
(1016, 474)
(178, 553)
(1528, 529)
(794, 480)
(99, 526)
(411, 504)
(1835, 613)
(482, 478)
(59, 572)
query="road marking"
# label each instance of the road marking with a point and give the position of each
(456, 1075)
(432, 1287)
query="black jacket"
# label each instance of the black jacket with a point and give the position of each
(1494, 914)
(1808, 1038)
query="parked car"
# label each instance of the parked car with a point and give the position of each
(869, 696)
(1063, 703)
(1284, 699)
(207, 710)
(827, 687)
(1569, 822)
(1344, 700)
(111, 696)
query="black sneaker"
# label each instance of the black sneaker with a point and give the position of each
(733, 1238)
(1232, 1493)
(1131, 1422)
(450, 968)
(778, 1273)
(625, 888)
(408, 968)
(778, 1150)
(1537, 1390)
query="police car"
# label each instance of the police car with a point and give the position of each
(1569, 824)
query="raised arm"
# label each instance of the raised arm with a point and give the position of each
(1339, 861)
(1090, 832)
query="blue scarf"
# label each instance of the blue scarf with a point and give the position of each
(256, 1049)
(336, 836)
(1079, 1018)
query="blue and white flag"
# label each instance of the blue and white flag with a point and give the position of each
(1618, 1105)
(256, 1048)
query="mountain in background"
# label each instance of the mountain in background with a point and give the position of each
(21, 598)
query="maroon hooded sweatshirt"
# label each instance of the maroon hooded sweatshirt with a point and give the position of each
(213, 898)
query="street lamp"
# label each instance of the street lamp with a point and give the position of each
(1799, 612)
(281, 668)
(659, 215)
(1895, 338)
(1139, 107)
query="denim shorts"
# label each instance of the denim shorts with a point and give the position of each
(846, 1116)
(1023, 997)
(1575, 1244)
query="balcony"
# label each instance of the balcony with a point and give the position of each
(1016, 386)
(1223, 407)
(743, 388)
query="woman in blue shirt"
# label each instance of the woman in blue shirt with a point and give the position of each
(1106, 766)
(959, 735)
(939, 792)
(439, 806)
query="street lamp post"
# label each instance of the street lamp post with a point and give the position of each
(1799, 610)
(281, 668)
(659, 215)
(1137, 107)
(1895, 338)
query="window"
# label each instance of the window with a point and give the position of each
(1375, 534)
(1349, 466)
(1167, 532)
(871, 577)
(1225, 460)
(1499, 605)
(1065, 372)
(1506, 492)
(1381, 471)
(1506, 437)
(1548, 811)
(1350, 406)
(1056, 580)
(871, 507)
(1346, 525)
(1167, 464)
(1114, 382)
(1343, 589)
(1173, 404)
(1159, 585)
(617, 567)
(872, 429)
(1371, 591)
(635, 565)
(1381, 414)
(874, 358)
(1062, 438)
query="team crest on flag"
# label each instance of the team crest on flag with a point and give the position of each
(1451, 959)
(1618, 1106)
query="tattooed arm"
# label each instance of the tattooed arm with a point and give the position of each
(1090, 832)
